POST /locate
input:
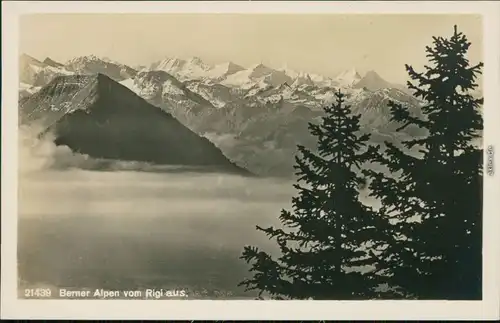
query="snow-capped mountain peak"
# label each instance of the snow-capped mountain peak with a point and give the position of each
(183, 69)
(35, 73)
(25, 59)
(82, 62)
(197, 61)
(168, 64)
(373, 81)
(290, 71)
(352, 72)
(92, 64)
(109, 60)
(348, 77)
(50, 62)
(302, 79)
(231, 67)
(258, 70)
(220, 71)
(85, 59)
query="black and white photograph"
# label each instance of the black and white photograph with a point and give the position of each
(251, 156)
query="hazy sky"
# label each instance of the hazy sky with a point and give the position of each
(324, 44)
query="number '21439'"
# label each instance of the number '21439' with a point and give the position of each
(37, 292)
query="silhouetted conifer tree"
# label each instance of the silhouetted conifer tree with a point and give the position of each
(324, 240)
(434, 192)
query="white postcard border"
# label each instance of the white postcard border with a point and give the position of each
(12, 307)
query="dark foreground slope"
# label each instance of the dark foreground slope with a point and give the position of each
(97, 116)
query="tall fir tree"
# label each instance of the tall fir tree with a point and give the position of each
(433, 195)
(325, 239)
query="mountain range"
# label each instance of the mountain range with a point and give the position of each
(256, 116)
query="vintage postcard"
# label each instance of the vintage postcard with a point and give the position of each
(275, 158)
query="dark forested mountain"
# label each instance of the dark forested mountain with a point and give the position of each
(94, 115)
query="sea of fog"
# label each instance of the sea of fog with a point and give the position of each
(134, 227)
(123, 230)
